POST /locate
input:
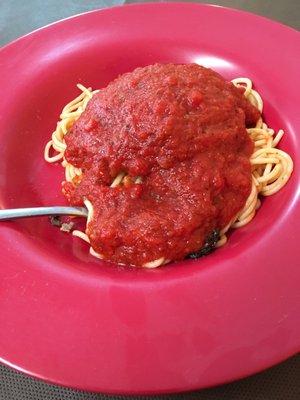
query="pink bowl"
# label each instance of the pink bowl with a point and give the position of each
(72, 320)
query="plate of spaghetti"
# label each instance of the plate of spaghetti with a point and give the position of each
(181, 140)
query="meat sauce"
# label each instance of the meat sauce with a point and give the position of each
(182, 130)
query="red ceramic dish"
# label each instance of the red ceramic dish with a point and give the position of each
(70, 319)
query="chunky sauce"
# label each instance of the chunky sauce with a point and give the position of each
(182, 129)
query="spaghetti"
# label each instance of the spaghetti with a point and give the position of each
(271, 167)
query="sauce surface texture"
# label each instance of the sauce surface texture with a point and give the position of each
(182, 130)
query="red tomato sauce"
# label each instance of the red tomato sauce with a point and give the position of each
(182, 129)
